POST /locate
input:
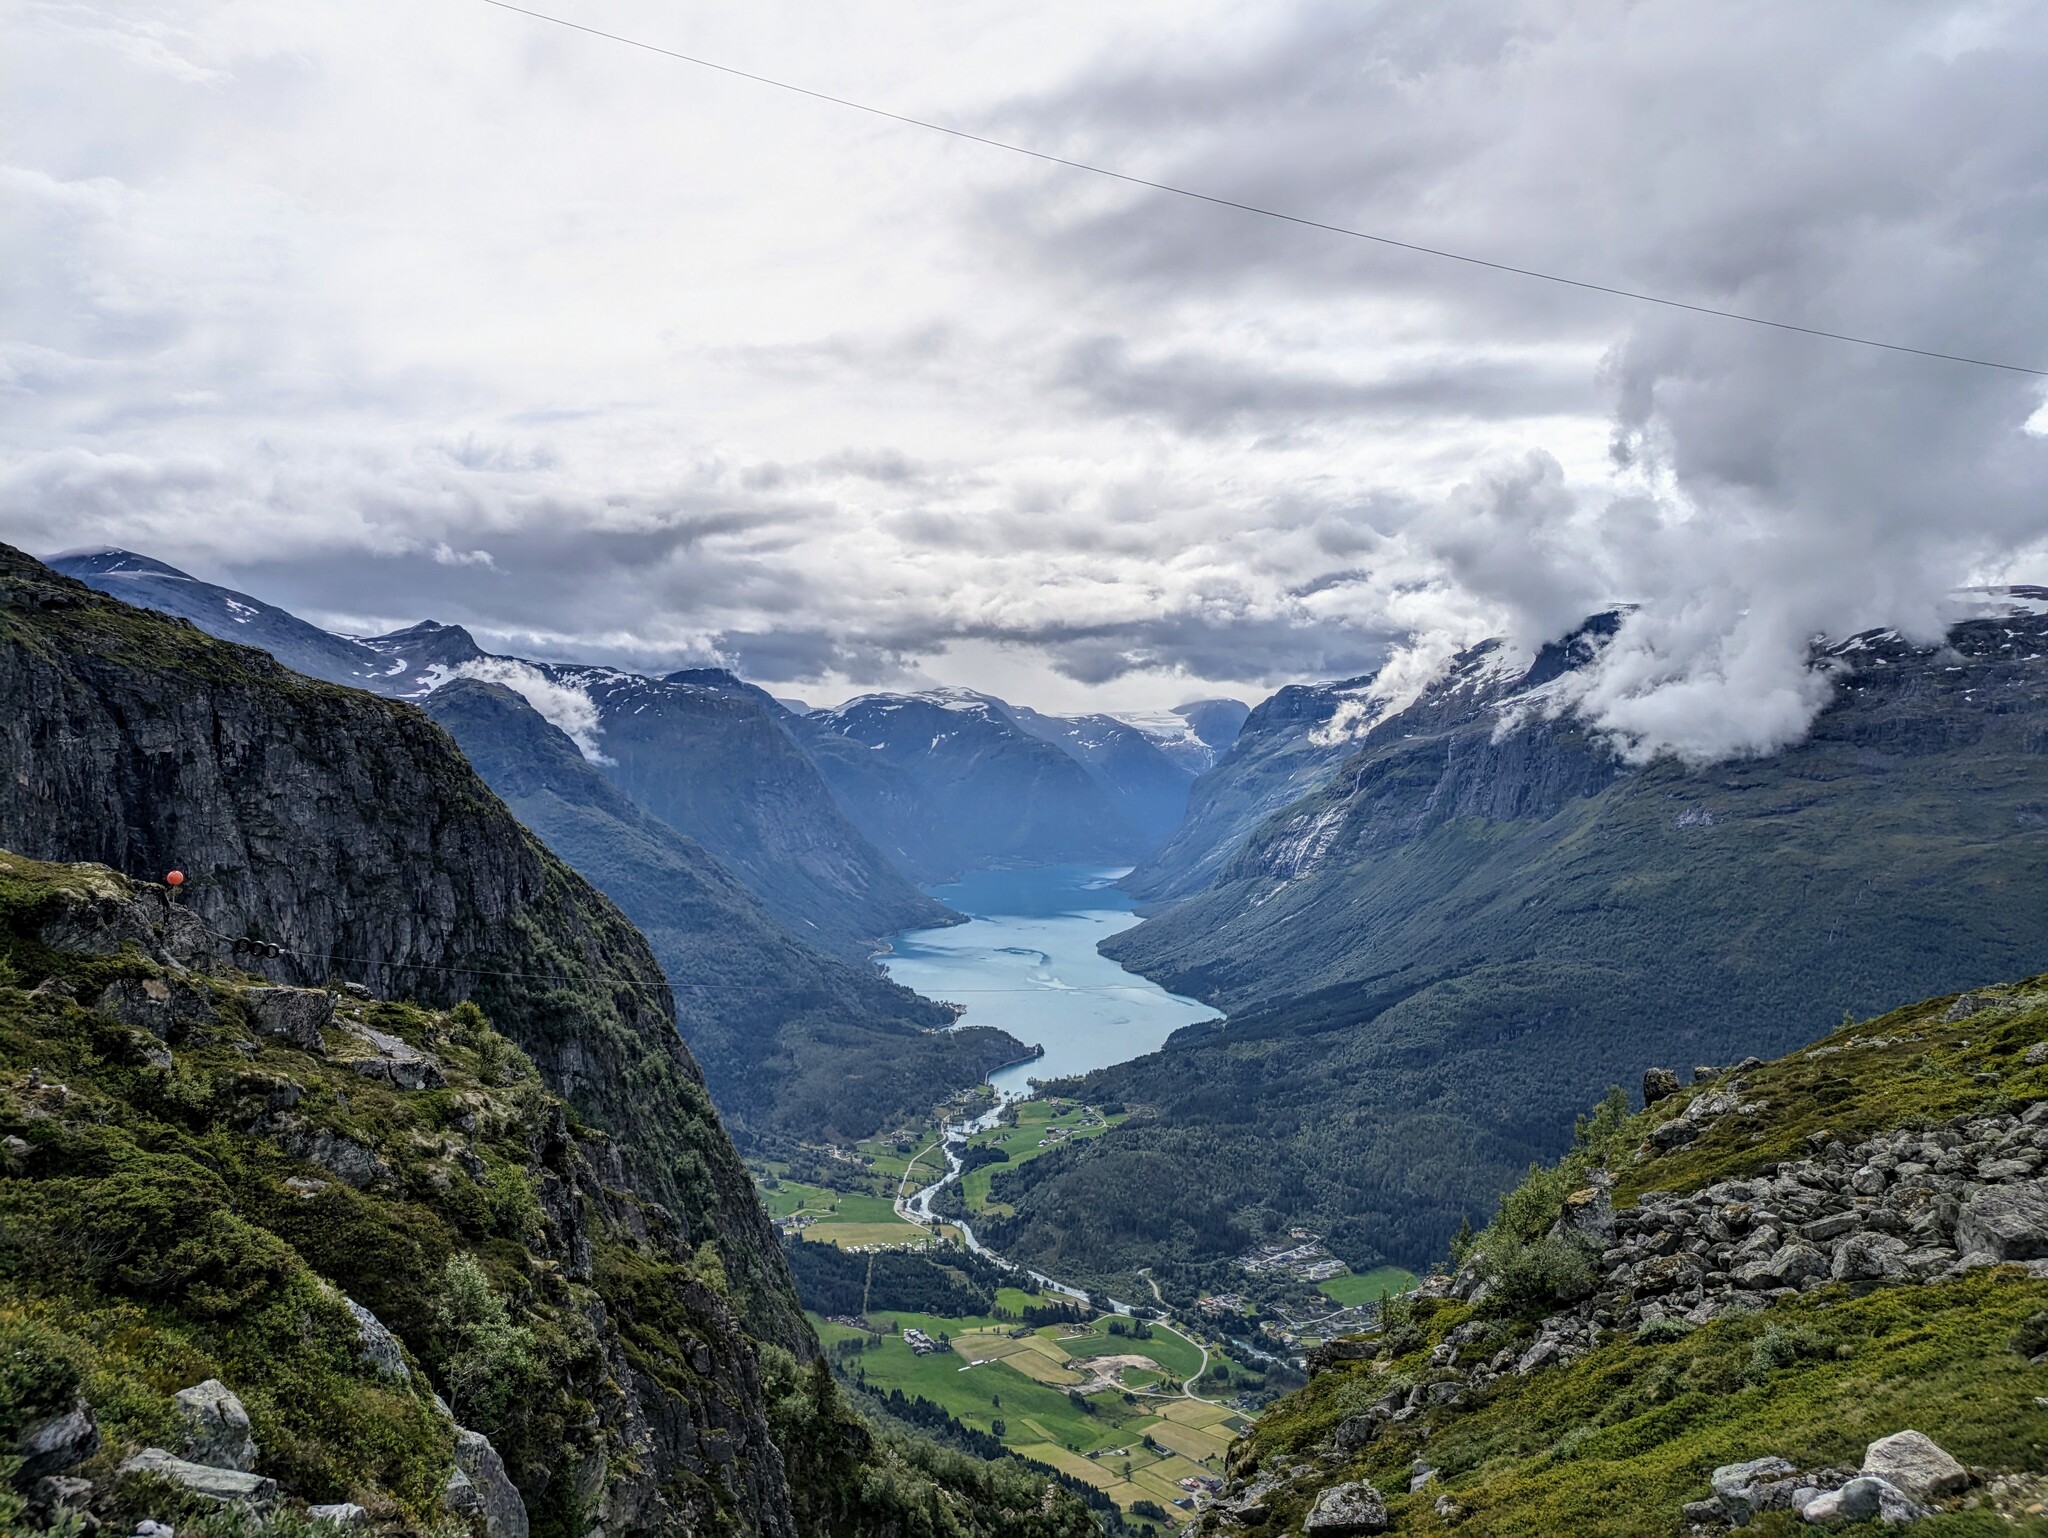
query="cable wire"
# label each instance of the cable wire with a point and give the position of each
(1266, 213)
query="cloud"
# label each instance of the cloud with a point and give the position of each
(389, 337)
(563, 705)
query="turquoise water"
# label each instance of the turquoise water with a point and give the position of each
(1026, 962)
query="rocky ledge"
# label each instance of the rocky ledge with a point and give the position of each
(1904, 1206)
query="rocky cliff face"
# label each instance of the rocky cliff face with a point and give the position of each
(698, 749)
(319, 1209)
(349, 830)
(1280, 752)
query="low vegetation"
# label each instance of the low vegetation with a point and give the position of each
(205, 1202)
(1618, 1439)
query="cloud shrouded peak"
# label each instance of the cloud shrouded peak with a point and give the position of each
(383, 332)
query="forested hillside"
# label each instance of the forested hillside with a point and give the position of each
(1485, 916)
(793, 1043)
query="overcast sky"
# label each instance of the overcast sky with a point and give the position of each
(389, 311)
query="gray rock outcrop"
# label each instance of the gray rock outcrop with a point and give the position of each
(299, 1015)
(227, 1486)
(1861, 1500)
(344, 1514)
(1345, 1510)
(377, 1346)
(213, 1428)
(479, 1487)
(57, 1442)
(395, 1062)
(2006, 1223)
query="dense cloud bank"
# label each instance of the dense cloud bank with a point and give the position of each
(385, 333)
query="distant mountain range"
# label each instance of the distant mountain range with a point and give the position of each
(1441, 933)
(831, 818)
(765, 851)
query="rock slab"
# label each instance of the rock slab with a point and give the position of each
(226, 1486)
(2009, 1222)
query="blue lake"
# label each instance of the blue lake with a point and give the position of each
(1026, 962)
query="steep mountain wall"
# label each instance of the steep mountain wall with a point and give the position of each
(1484, 917)
(951, 783)
(698, 750)
(794, 1043)
(350, 830)
(1280, 752)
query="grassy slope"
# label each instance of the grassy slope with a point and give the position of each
(150, 1241)
(1615, 1443)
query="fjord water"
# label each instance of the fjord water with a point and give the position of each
(1026, 961)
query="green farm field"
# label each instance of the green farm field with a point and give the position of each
(1358, 1287)
(994, 1378)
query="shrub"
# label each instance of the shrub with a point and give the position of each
(1782, 1346)
(2031, 1338)
(1670, 1327)
(495, 1367)
(1536, 1278)
(39, 1373)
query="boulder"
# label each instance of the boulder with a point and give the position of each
(1588, 1215)
(1868, 1258)
(1354, 1432)
(2037, 1054)
(57, 1442)
(1915, 1464)
(2008, 1222)
(1740, 1486)
(340, 1514)
(1658, 1084)
(377, 1346)
(213, 1428)
(1665, 1273)
(166, 1007)
(1346, 1509)
(1797, 1263)
(491, 1493)
(63, 1499)
(227, 1486)
(398, 1063)
(1861, 1500)
(299, 1015)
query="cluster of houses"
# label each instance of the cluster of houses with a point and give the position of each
(1301, 1255)
(795, 1223)
(1222, 1303)
(922, 1343)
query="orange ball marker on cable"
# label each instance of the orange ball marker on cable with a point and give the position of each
(174, 878)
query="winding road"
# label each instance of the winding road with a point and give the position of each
(915, 1208)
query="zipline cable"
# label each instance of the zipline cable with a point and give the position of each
(1438, 252)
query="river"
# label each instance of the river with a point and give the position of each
(1026, 962)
